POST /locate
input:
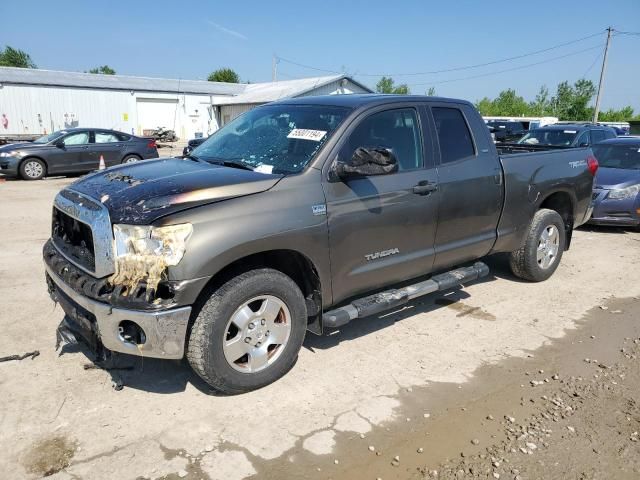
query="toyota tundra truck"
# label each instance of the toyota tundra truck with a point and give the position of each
(302, 215)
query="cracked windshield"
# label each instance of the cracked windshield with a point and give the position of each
(273, 139)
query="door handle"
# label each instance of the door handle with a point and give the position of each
(425, 188)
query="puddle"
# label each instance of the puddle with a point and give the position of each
(49, 455)
(465, 310)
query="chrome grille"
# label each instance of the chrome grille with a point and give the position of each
(82, 232)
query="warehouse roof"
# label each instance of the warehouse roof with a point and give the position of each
(235, 92)
(31, 76)
(270, 91)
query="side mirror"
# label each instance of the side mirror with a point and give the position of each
(368, 161)
(584, 144)
(59, 143)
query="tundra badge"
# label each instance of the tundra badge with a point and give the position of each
(383, 253)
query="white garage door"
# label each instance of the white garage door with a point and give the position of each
(156, 112)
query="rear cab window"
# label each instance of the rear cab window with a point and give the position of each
(454, 136)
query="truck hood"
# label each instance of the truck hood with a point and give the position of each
(616, 177)
(140, 193)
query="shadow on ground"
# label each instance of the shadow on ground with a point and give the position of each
(172, 376)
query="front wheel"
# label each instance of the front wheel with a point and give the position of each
(249, 332)
(540, 255)
(32, 169)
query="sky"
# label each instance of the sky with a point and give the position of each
(190, 39)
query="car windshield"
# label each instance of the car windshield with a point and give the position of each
(273, 138)
(626, 157)
(49, 138)
(550, 136)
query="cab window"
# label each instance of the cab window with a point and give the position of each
(583, 139)
(597, 136)
(453, 134)
(396, 130)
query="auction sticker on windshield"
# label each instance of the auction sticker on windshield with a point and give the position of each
(306, 134)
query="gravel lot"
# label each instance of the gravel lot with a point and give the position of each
(372, 379)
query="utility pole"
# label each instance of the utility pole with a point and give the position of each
(601, 83)
(274, 68)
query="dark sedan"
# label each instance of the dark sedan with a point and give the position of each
(617, 185)
(76, 150)
(193, 143)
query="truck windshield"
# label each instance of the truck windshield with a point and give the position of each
(273, 138)
(550, 136)
(626, 157)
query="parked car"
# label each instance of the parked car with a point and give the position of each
(191, 144)
(76, 150)
(289, 217)
(568, 135)
(507, 131)
(617, 187)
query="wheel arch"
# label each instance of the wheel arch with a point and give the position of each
(296, 265)
(562, 202)
(131, 154)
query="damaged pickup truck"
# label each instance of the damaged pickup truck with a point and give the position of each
(302, 215)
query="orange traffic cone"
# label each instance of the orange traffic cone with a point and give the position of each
(102, 166)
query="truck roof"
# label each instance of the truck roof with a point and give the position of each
(359, 100)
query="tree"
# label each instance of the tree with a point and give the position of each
(622, 115)
(11, 57)
(386, 85)
(104, 70)
(571, 102)
(510, 103)
(541, 106)
(224, 75)
(431, 92)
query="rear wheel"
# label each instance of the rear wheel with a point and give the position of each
(249, 332)
(131, 159)
(32, 169)
(540, 255)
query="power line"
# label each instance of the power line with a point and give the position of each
(506, 70)
(453, 69)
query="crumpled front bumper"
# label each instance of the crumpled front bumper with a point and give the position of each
(164, 330)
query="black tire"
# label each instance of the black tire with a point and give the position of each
(210, 329)
(32, 169)
(524, 262)
(131, 159)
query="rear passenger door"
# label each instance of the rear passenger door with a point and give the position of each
(109, 146)
(382, 227)
(470, 184)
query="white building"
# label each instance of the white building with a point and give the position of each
(35, 102)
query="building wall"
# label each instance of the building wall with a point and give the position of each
(36, 110)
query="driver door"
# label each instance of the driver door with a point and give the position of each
(71, 154)
(382, 227)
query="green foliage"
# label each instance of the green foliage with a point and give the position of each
(622, 115)
(431, 92)
(570, 102)
(224, 75)
(104, 70)
(12, 57)
(386, 85)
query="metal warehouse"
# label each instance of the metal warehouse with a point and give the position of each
(35, 102)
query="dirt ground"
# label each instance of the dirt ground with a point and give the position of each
(488, 381)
